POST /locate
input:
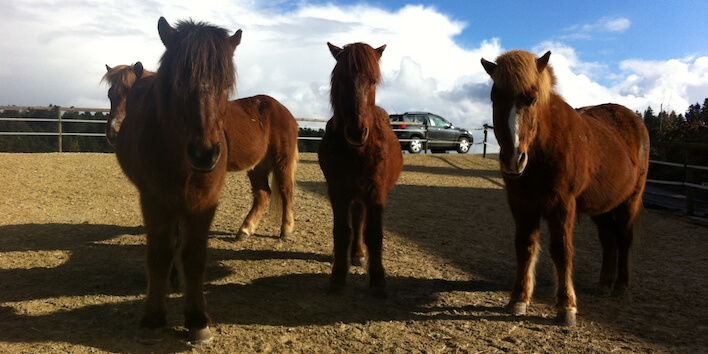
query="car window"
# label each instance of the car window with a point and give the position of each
(438, 122)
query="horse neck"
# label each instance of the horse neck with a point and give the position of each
(557, 123)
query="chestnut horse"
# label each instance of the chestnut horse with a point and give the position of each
(361, 159)
(556, 162)
(170, 147)
(261, 135)
(120, 79)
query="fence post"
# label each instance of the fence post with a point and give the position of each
(425, 151)
(484, 144)
(59, 128)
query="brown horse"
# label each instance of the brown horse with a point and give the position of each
(557, 162)
(361, 159)
(120, 79)
(261, 135)
(170, 147)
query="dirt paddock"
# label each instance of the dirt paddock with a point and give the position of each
(72, 275)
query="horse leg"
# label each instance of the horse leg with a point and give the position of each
(607, 229)
(358, 249)
(560, 227)
(373, 237)
(284, 175)
(625, 216)
(160, 229)
(526, 245)
(193, 259)
(261, 194)
(342, 242)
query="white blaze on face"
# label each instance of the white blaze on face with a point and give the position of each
(514, 132)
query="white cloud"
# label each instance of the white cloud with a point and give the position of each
(672, 84)
(58, 51)
(614, 24)
(603, 25)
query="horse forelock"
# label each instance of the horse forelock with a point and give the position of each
(201, 58)
(121, 76)
(517, 72)
(355, 60)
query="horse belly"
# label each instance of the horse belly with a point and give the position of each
(607, 191)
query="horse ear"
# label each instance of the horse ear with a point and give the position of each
(489, 67)
(334, 49)
(543, 61)
(235, 40)
(380, 50)
(138, 69)
(108, 68)
(166, 32)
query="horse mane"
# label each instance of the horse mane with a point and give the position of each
(199, 54)
(354, 59)
(122, 75)
(517, 72)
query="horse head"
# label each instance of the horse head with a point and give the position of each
(195, 79)
(120, 78)
(353, 94)
(521, 89)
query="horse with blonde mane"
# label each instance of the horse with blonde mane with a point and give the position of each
(557, 162)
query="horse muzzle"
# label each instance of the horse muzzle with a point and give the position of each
(515, 167)
(356, 137)
(203, 160)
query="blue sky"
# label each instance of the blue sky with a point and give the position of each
(659, 30)
(636, 53)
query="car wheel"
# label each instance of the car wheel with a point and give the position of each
(464, 146)
(415, 145)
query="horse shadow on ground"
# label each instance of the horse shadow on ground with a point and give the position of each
(473, 229)
(94, 297)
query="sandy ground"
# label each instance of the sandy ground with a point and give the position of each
(72, 270)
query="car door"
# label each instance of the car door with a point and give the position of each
(439, 132)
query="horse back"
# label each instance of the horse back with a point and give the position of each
(618, 153)
(627, 125)
(256, 126)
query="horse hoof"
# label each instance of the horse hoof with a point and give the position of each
(149, 335)
(242, 235)
(379, 292)
(358, 261)
(335, 289)
(199, 335)
(285, 235)
(566, 317)
(517, 308)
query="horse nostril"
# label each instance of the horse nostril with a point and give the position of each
(522, 158)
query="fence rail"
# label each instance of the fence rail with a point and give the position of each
(60, 133)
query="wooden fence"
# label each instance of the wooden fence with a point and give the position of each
(690, 182)
(59, 133)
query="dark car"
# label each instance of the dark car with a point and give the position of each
(411, 128)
